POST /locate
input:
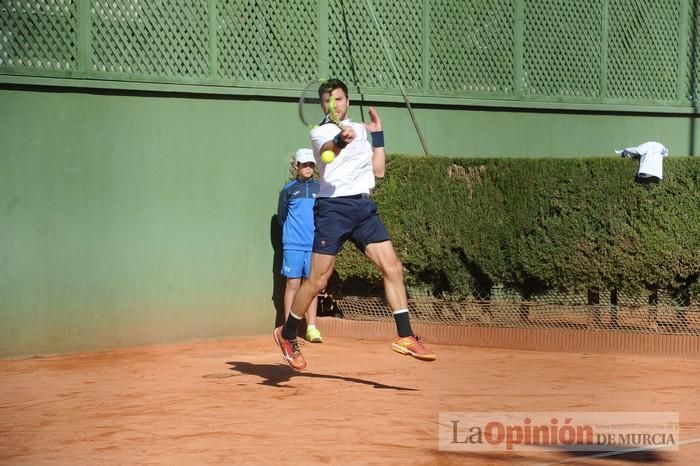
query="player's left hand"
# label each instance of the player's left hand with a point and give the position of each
(376, 123)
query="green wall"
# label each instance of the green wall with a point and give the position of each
(141, 217)
(135, 219)
(466, 132)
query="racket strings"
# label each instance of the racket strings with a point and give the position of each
(310, 110)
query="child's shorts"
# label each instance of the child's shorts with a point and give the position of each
(296, 264)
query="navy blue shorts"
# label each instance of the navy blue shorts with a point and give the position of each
(340, 218)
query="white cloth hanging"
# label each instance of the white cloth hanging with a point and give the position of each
(650, 155)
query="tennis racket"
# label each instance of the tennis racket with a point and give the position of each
(311, 111)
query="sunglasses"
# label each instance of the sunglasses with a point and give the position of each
(307, 165)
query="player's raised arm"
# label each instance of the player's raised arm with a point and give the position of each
(374, 127)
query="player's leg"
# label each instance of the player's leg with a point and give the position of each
(373, 239)
(332, 226)
(293, 267)
(321, 271)
(285, 336)
(384, 257)
(333, 222)
(290, 290)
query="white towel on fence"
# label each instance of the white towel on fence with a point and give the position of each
(650, 155)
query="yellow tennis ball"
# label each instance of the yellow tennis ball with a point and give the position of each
(328, 156)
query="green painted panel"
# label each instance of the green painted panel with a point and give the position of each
(129, 219)
(482, 132)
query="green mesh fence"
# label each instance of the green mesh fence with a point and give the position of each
(472, 47)
(150, 38)
(643, 49)
(355, 51)
(39, 35)
(657, 314)
(562, 48)
(596, 51)
(267, 41)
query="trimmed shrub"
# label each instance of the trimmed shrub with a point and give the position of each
(461, 226)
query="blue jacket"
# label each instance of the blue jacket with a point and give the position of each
(295, 212)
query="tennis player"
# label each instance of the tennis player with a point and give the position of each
(344, 210)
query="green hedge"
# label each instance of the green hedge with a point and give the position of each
(462, 226)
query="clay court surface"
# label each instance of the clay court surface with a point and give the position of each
(232, 402)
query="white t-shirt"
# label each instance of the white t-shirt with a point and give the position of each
(351, 172)
(651, 155)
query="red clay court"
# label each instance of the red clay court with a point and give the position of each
(233, 402)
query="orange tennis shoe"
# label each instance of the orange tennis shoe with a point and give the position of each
(291, 354)
(414, 347)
